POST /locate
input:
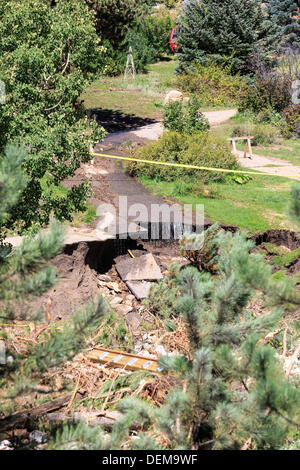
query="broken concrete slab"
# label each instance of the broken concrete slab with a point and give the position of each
(143, 268)
(72, 236)
(140, 289)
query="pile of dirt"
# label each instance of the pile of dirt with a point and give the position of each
(114, 120)
(278, 237)
(87, 270)
(281, 248)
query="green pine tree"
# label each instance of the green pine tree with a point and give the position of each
(226, 32)
(284, 21)
(25, 272)
(231, 391)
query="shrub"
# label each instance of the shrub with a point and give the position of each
(263, 133)
(187, 119)
(230, 389)
(113, 62)
(291, 126)
(214, 84)
(143, 51)
(157, 28)
(270, 116)
(199, 150)
(148, 36)
(269, 89)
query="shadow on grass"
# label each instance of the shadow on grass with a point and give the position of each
(114, 121)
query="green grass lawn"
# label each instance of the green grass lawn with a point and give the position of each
(143, 97)
(256, 206)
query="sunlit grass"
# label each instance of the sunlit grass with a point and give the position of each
(258, 205)
(142, 97)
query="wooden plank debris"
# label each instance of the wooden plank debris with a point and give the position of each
(123, 360)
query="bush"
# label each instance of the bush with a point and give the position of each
(198, 149)
(143, 51)
(264, 134)
(149, 38)
(269, 91)
(291, 126)
(186, 119)
(214, 84)
(157, 28)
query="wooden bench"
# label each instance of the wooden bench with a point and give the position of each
(248, 144)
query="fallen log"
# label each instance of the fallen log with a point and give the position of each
(24, 418)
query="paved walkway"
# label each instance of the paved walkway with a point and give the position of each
(153, 131)
(262, 163)
(123, 185)
(270, 165)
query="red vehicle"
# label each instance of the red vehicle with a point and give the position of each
(174, 39)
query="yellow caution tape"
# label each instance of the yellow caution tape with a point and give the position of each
(193, 167)
(131, 254)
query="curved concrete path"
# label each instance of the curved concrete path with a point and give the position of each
(270, 165)
(153, 131)
(263, 163)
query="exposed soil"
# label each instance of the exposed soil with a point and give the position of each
(96, 174)
(287, 241)
(286, 238)
(87, 269)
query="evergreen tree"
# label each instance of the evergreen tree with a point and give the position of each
(284, 20)
(24, 273)
(223, 31)
(231, 390)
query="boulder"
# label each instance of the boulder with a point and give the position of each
(133, 320)
(173, 95)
